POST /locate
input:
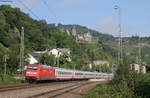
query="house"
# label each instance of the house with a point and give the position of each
(31, 59)
(138, 67)
(34, 57)
(101, 62)
(59, 51)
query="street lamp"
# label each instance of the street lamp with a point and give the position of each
(120, 52)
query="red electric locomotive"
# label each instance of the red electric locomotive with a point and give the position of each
(37, 72)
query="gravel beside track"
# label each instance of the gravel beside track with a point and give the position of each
(60, 91)
(12, 85)
(79, 92)
(9, 87)
(36, 89)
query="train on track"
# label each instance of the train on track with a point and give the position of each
(38, 72)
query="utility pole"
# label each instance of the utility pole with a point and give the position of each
(22, 51)
(120, 52)
(139, 60)
(58, 59)
(74, 69)
(58, 62)
(5, 65)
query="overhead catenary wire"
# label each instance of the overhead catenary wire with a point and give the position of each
(29, 10)
(45, 3)
(6, 1)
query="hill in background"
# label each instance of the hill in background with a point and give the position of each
(40, 36)
(130, 44)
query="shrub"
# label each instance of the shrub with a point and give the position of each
(125, 84)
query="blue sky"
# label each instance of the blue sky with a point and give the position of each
(96, 14)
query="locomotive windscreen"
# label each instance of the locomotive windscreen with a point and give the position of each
(31, 68)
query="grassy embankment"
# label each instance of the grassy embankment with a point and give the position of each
(9, 79)
(135, 86)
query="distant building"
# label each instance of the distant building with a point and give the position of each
(87, 36)
(101, 62)
(80, 36)
(138, 68)
(73, 31)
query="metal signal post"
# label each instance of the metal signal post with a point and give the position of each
(120, 52)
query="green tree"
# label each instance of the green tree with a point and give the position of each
(3, 51)
(48, 59)
(103, 68)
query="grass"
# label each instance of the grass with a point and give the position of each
(99, 91)
(8, 79)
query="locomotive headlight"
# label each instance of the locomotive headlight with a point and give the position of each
(31, 73)
(34, 72)
(28, 72)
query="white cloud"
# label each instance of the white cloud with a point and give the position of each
(106, 25)
(70, 2)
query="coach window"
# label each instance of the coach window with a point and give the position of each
(59, 72)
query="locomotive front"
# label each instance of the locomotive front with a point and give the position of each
(32, 73)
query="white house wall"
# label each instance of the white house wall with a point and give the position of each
(54, 52)
(31, 59)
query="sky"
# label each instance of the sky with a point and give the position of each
(99, 15)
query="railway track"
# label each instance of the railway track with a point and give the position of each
(11, 87)
(16, 86)
(57, 92)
